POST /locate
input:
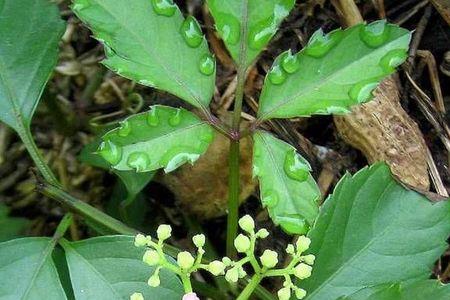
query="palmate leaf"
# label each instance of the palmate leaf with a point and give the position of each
(246, 26)
(424, 289)
(287, 188)
(333, 72)
(163, 137)
(112, 268)
(27, 270)
(29, 35)
(144, 42)
(374, 231)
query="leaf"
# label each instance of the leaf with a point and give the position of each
(287, 188)
(112, 268)
(333, 72)
(373, 231)
(246, 26)
(164, 137)
(149, 48)
(425, 289)
(27, 270)
(29, 35)
(10, 227)
(133, 182)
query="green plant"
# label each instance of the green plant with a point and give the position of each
(372, 236)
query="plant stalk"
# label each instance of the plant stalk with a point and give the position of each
(250, 288)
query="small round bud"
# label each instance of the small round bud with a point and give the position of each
(269, 258)
(164, 232)
(302, 244)
(151, 257)
(227, 261)
(137, 296)
(309, 259)
(140, 240)
(232, 275)
(290, 249)
(199, 240)
(302, 271)
(242, 243)
(185, 260)
(300, 293)
(284, 293)
(247, 223)
(190, 296)
(241, 272)
(154, 280)
(216, 268)
(262, 233)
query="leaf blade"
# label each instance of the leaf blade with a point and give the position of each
(296, 204)
(335, 80)
(148, 48)
(373, 231)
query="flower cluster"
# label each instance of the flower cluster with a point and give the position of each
(263, 266)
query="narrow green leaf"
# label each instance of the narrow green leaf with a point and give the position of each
(145, 42)
(29, 35)
(425, 289)
(164, 137)
(373, 231)
(287, 188)
(246, 26)
(334, 71)
(27, 270)
(111, 268)
(10, 227)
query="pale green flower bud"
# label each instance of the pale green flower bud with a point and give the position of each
(137, 296)
(241, 272)
(154, 280)
(185, 260)
(290, 249)
(164, 232)
(262, 233)
(199, 240)
(302, 244)
(300, 293)
(140, 240)
(151, 257)
(269, 258)
(309, 259)
(216, 268)
(232, 275)
(247, 223)
(242, 243)
(302, 271)
(284, 293)
(226, 261)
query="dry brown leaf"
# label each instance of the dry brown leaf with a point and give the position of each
(202, 189)
(443, 7)
(383, 131)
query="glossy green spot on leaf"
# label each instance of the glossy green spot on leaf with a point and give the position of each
(138, 161)
(375, 34)
(164, 7)
(320, 44)
(191, 32)
(229, 28)
(261, 33)
(290, 62)
(207, 64)
(291, 200)
(362, 91)
(277, 75)
(175, 119)
(110, 152)
(152, 117)
(124, 129)
(164, 137)
(296, 167)
(393, 59)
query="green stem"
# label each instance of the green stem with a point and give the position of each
(249, 289)
(63, 226)
(38, 160)
(186, 283)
